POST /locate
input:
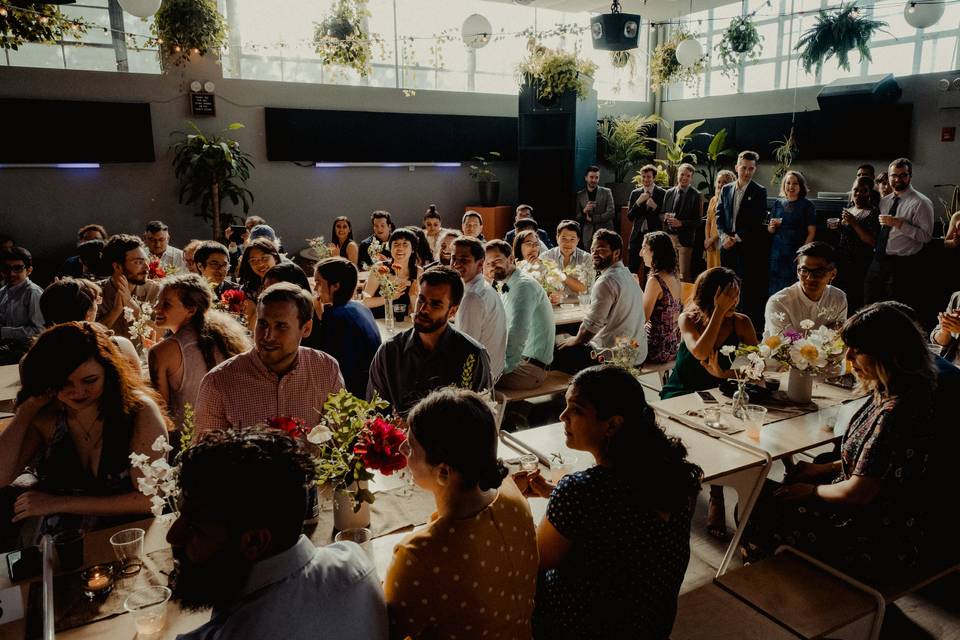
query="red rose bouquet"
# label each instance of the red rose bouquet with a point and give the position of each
(232, 300)
(379, 446)
(293, 426)
(156, 271)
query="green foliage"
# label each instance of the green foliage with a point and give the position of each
(739, 42)
(185, 27)
(713, 161)
(482, 171)
(665, 69)
(554, 71)
(626, 142)
(210, 169)
(784, 152)
(675, 147)
(41, 23)
(340, 39)
(836, 33)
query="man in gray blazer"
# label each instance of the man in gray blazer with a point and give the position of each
(594, 207)
(682, 208)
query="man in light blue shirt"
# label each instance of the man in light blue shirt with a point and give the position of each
(616, 310)
(238, 549)
(531, 329)
(20, 317)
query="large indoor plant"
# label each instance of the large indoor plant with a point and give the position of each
(718, 153)
(665, 69)
(211, 168)
(740, 41)
(837, 32)
(340, 39)
(41, 23)
(182, 28)
(488, 185)
(626, 146)
(552, 72)
(675, 147)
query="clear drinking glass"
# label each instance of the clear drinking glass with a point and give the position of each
(754, 416)
(711, 417)
(529, 462)
(148, 608)
(128, 547)
(362, 536)
(560, 469)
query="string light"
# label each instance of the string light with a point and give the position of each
(3, 12)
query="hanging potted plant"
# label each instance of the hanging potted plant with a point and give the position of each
(182, 28)
(740, 41)
(487, 182)
(626, 146)
(41, 23)
(211, 168)
(784, 152)
(340, 39)
(837, 33)
(665, 68)
(553, 72)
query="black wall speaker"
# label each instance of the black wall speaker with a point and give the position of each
(615, 31)
(849, 93)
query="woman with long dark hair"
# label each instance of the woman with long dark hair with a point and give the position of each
(80, 413)
(858, 237)
(864, 513)
(200, 339)
(403, 270)
(615, 542)
(482, 533)
(258, 258)
(422, 248)
(661, 297)
(342, 243)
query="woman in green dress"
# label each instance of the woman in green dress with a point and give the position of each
(709, 322)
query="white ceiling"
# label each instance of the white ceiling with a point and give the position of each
(654, 10)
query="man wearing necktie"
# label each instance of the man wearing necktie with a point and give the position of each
(682, 207)
(643, 209)
(906, 225)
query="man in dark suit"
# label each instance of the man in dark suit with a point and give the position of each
(643, 209)
(682, 207)
(594, 207)
(744, 239)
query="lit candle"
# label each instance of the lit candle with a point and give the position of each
(97, 583)
(97, 580)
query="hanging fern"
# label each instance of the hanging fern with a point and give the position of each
(739, 42)
(837, 33)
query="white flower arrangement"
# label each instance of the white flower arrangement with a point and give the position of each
(585, 274)
(815, 351)
(547, 273)
(160, 479)
(138, 324)
(319, 247)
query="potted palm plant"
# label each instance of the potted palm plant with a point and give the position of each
(626, 145)
(487, 182)
(675, 147)
(211, 168)
(713, 160)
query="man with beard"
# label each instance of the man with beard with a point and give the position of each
(382, 228)
(238, 549)
(530, 325)
(616, 309)
(128, 286)
(445, 253)
(480, 314)
(277, 377)
(431, 354)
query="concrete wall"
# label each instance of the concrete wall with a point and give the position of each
(42, 208)
(935, 162)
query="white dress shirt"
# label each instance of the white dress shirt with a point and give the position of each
(787, 308)
(916, 211)
(616, 310)
(482, 317)
(172, 257)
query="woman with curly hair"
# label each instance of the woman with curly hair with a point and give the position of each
(259, 257)
(80, 413)
(200, 338)
(615, 542)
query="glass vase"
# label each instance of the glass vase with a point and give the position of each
(388, 318)
(740, 400)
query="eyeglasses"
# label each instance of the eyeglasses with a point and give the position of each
(898, 175)
(12, 268)
(218, 265)
(814, 273)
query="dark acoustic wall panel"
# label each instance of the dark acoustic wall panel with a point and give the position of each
(365, 136)
(839, 134)
(68, 131)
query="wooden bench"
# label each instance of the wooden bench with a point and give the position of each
(555, 382)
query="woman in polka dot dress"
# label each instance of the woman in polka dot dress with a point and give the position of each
(615, 542)
(472, 572)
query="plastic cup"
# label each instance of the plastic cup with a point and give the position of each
(69, 546)
(529, 462)
(584, 299)
(711, 417)
(560, 469)
(128, 547)
(148, 608)
(754, 417)
(833, 223)
(362, 536)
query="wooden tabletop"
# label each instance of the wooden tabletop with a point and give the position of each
(9, 382)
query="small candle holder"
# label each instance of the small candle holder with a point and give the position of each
(98, 580)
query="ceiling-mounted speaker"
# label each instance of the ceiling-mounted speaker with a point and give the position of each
(615, 31)
(868, 91)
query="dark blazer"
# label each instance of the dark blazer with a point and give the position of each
(688, 208)
(603, 216)
(638, 214)
(751, 217)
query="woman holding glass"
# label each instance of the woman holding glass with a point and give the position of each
(793, 223)
(859, 228)
(403, 270)
(615, 542)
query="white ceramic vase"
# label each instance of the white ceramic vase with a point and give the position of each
(799, 386)
(344, 516)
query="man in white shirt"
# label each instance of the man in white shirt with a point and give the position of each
(811, 297)
(480, 314)
(616, 309)
(157, 238)
(238, 549)
(906, 225)
(567, 253)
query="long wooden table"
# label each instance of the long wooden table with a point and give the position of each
(9, 385)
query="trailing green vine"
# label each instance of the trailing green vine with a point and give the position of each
(665, 69)
(555, 71)
(185, 27)
(40, 23)
(740, 41)
(340, 38)
(836, 33)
